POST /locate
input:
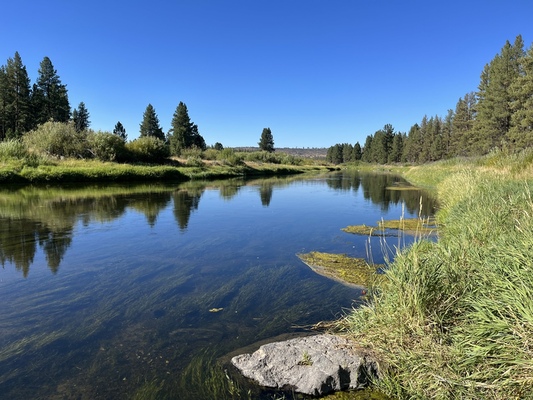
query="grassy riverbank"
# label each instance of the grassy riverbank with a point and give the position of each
(97, 171)
(454, 319)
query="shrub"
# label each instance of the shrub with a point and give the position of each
(191, 152)
(210, 154)
(148, 149)
(194, 161)
(229, 157)
(16, 150)
(106, 146)
(57, 139)
(12, 149)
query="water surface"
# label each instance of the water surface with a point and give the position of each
(109, 292)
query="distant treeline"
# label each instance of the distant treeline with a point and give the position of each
(498, 116)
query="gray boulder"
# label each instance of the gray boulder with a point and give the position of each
(314, 365)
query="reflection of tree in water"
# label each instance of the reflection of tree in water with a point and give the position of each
(230, 190)
(17, 243)
(185, 201)
(265, 191)
(28, 221)
(150, 204)
(377, 188)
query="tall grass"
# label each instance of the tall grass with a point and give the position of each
(454, 319)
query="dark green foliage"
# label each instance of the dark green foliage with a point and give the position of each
(15, 111)
(494, 112)
(184, 133)
(120, 131)
(218, 146)
(357, 152)
(520, 134)
(367, 149)
(49, 96)
(334, 154)
(148, 149)
(80, 118)
(266, 143)
(150, 124)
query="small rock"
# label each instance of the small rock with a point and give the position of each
(314, 365)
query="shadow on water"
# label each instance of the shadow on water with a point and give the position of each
(144, 299)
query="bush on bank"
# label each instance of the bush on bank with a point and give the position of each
(454, 319)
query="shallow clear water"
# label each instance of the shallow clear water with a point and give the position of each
(108, 292)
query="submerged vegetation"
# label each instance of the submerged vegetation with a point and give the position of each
(454, 318)
(356, 271)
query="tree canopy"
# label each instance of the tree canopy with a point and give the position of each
(150, 124)
(266, 143)
(183, 133)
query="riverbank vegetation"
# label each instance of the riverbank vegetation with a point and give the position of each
(56, 152)
(454, 318)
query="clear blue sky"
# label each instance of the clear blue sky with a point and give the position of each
(316, 72)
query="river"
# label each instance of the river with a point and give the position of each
(134, 291)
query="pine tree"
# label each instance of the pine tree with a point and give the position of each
(395, 155)
(462, 139)
(266, 143)
(15, 112)
(357, 153)
(80, 118)
(184, 133)
(120, 131)
(521, 131)
(367, 149)
(49, 97)
(150, 124)
(494, 112)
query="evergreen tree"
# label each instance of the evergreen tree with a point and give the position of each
(150, 124)
(334, 154)
(4, 119)
(395, 154)
(15, 112)
(521, 131)
(357, 153)
(494, 111)
(367, 149)
(266, 143)
(184, 133)
(462, 139)
(218, 146)
(120, 131)
(347, 153)
(49, 97)
(412, 144)
(80, 118)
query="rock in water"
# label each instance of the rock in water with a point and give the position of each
(314, 365)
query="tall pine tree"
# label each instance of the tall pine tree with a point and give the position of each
(15, 112)
(80, 118)
(120, 131)
(495, 96)
(183, 132)
(266, 142)
(49, 97)
(150, 124)
(521, 133)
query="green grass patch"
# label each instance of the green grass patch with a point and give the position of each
(454, 318)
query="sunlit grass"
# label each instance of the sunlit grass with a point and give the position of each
(454, 318)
